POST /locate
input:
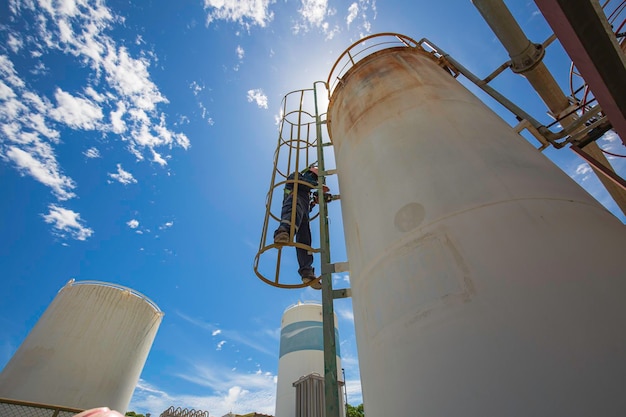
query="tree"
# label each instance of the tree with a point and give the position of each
(355, 411)
(133, 414)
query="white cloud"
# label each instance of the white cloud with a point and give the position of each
(196, 88)
(614, 149)
(41, 164)
(314, 11)
(345, 314)
(366, 11)
(6, 92)
(122, 176)
(95, 95)
(220, 344)
(245, 12)
(233, 336)
(92, 153)
(8, 73)
(354, 391)
(117, 123)
(133, 223)
(259, 97)
(38, 123)
(25, 138)
(117, 88)
(244, 391)
(232, 391)
(14, 43)
(166, 225)
(319, 15)
(76, 112)
(216, 332)
(67, 221)
(582, 171)
(240, 52)
(129, 77)
(353, 10)
(156, 157)
(611, 137)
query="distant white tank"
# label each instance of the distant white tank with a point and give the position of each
(87, 349)
(485, 281)
(301, 354)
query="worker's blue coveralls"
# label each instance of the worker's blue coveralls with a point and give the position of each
(303, 207)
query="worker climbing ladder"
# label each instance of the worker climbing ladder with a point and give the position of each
(299, 147)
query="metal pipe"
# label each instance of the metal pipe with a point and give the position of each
(524, 54)
(510, 34)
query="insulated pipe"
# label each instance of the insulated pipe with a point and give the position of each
(528, 63)
(485, 281)
(519, 48)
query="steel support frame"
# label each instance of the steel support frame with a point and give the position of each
(582, 30)
(331, 384)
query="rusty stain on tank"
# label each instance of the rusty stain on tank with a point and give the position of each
(378, 91)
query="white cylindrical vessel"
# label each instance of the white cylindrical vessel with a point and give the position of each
(301, 354)
(87, 350)
(485, 282)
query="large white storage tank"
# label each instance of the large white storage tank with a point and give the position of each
(485, 282)
(87, 349)
(301, 354)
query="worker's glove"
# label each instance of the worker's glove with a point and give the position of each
(315, 198)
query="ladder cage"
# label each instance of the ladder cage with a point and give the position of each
(296, 150)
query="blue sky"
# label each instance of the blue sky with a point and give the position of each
(136, 146)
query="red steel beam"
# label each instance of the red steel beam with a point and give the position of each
(583, 34)
(600, 167)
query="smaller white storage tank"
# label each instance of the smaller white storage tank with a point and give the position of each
(87, 350)
(301, 354)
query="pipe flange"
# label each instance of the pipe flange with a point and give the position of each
(528, 58)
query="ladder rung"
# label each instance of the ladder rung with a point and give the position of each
(335, 268)
(342, 293)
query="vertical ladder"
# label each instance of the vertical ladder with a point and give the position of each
(299, 146)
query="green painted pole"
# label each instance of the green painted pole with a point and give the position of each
(331, 384)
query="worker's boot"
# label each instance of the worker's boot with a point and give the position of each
(281, 236)
(310, 276)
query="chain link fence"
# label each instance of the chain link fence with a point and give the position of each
(13, 408)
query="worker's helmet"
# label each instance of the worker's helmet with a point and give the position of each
(314, 170)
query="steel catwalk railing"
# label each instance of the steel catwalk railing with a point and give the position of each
(73, 283)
